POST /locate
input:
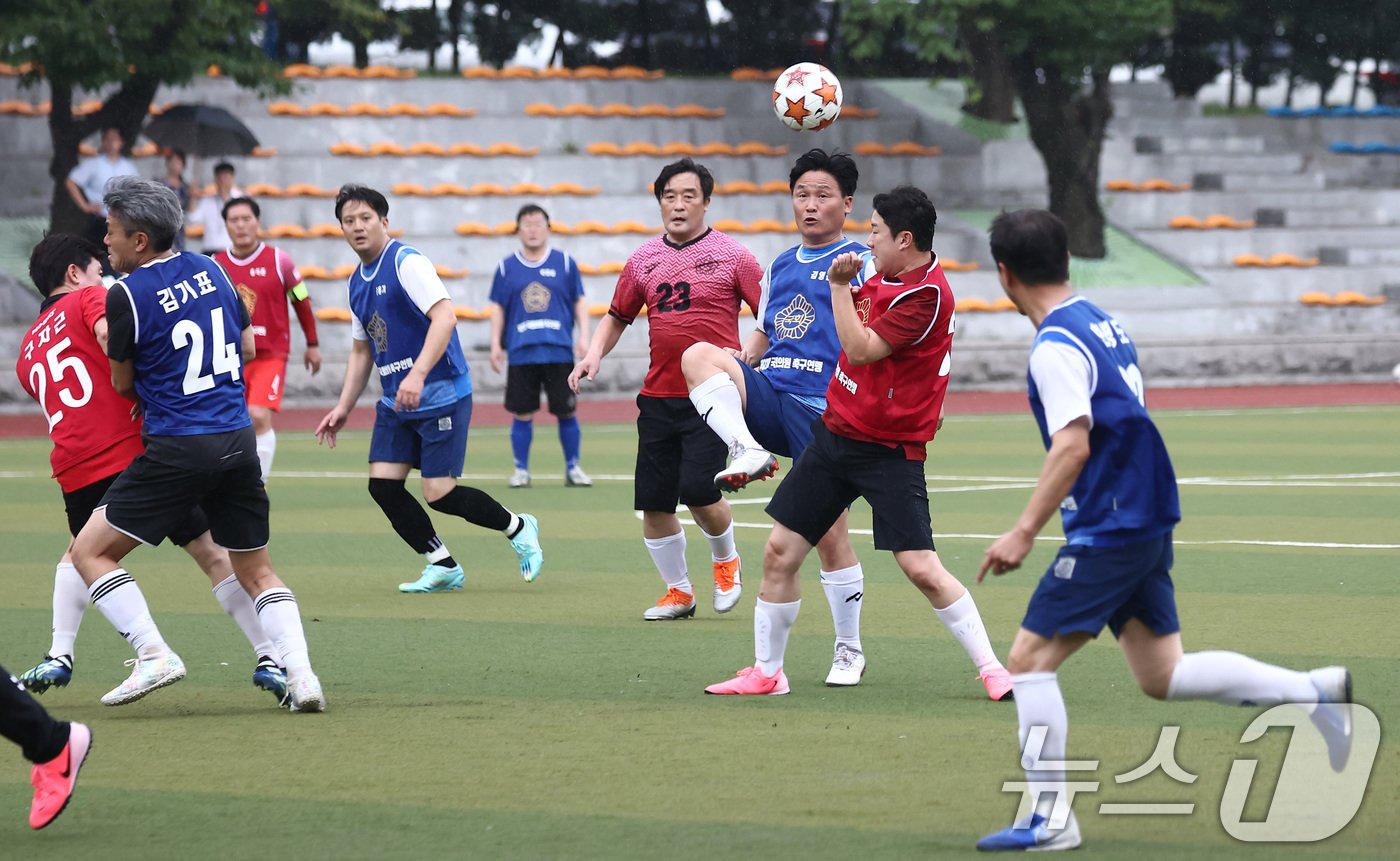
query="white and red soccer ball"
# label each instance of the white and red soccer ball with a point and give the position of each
(807, 97)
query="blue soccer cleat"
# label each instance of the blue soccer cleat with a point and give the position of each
(51, 672)
(1032, 836)
(527, 546)
(271, 678)
(436, 578)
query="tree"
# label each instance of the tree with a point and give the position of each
(134, 45)
(302, 22)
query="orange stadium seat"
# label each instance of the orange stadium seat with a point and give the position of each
(591, 72)
(482, 189)
(145, 150)
(1163, 185)
(364, 109)
(678, 148)
(1001, 303)
(263, 189)
(591, 226)
(855, 225)
(973, 304)
(641, 148)
(286, 231)
(578, 109)
(194, 231)
(404, 109)
(655, 110)
(344, 270)
(914, 148)
(474, 228)
(558, 72)
(758, 148)
(597, 309)
(731, 225)
(737, 186)
(157, 110)
(504, 228)
(603, 148)
(715, 148)
(314, 272)
(617, 109)
(427, 148)
(464, 313)
(1291, 260)
(333, 315)
(465, 149)
(1352, 297)
(774, 186)
(871, 148)
(1121, 185)
(519, 72)
(631, 73)
(524, 188)
(449, 189)
(1316, 298)
(395, 232)
(263, 152)
(613, 268)
(512, 149)
(630, 225)
(770, 225)
(541, 109)
(850, 111)
(325, 109)
(445, 109)
(480, 72)
(340, 70)
(348, 149)
(1186, 222)
(386, 148)
(748, 73)
(1249, 260)
(449, 272)
(562, 228)
(950, 264)
(307, 189)
(407, 189)
(325, 229)
(286, 109)
(571, 188)
(1228, 222)
(301, 70)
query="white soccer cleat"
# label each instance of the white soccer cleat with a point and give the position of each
(1332, 716)
(675, 604)
(147, 675)
(846, 668)
(748, 465)
(576, 477)
(729, 584)
(305, 693)
(519, 478)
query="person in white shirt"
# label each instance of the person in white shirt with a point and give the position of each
(209, 212)
(87, 182)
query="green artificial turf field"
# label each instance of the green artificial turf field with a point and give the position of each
(547, 720)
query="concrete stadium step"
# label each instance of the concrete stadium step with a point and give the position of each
(1155, 210)
(1220, 247)
(1285, 286)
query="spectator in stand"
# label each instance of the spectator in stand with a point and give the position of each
(174, 180)
(88, 180)
(209, 212)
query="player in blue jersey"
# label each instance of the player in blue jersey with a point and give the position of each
(536, 300)
(405, 331)
(1107, 471)
(177, 336)
(764, 399)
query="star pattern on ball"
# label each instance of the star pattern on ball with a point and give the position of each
(827, 91)
(796, 110)
(796, 76)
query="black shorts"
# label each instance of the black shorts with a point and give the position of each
(80, 504)
(834, 470)
(152, 501)
(677, 456)
(523, 384)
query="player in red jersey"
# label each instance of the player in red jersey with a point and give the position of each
(266, 278)
(691, 281)
(96, 434)
(884, 404)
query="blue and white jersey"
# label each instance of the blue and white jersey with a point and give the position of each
(187, 346)
(538, 301)
(1084, 364)
(794, 311)
(389, 301)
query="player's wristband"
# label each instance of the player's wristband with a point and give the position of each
(309, 345)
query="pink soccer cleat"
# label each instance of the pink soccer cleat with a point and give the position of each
(998, 684)
(54, 780)
(751, 680)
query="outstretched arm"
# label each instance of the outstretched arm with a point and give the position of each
(605, 337)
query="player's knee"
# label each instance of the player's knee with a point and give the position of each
(1156, 683)
(698, 362)
(385, 490)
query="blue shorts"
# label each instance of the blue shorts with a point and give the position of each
(434, 444)
(1087, 587)
(780, 422)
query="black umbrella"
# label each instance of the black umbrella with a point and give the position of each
(201, 130)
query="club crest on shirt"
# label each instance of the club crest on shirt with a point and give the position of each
(250, 298)
(863, 310)
(378, 332)
(792, 322)
(535, 298)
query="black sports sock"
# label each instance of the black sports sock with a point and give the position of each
(474, 506)
(407, 517)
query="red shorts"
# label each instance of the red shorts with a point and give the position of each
(263, 378)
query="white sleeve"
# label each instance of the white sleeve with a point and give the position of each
(1062, 375)
(765, 289)
(357, 329)
(421, 282)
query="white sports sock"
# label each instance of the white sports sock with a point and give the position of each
(964, 622)
(120, 600)
(513, 526)
(718, 402)
(1039, 703)
(771, 625)
(234, 599)
(70, 600)
(267, 447)
(438, 553)
(668, 554)
(844, 590)
(1233, 679)
(281, 619)
(722, 547)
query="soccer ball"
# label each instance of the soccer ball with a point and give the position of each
(807, 97)
(1395, 372)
